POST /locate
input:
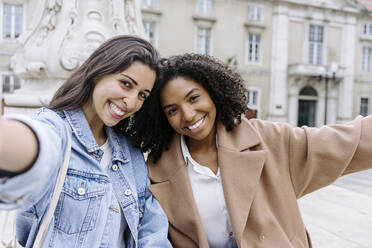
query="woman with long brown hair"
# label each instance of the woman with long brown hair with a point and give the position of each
(104, 200)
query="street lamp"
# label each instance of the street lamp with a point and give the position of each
(330, 73)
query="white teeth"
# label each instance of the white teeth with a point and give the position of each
(196, 125)
(116, 110)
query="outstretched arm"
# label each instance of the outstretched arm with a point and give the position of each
(318, 156)
(18, 146)
(31, 151)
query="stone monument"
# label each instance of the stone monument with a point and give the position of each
(63, 33)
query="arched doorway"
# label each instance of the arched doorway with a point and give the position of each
(307, 102)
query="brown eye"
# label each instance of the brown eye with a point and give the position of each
(171, 111)
(194, 98)
(142, 96)
(126, 83)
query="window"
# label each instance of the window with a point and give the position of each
(150, 31)
(254, 41)
(254, 13)
(10, 83)
(148, 3)
(204, 6)
(12, 20)
(367, 29)
(316, 45)
(366, 59)
(203, 43)
(253, 98)
(363, 106)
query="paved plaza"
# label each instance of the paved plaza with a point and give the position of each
(340, 215)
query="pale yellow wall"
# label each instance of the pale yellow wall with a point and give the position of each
(262, 80)
(334, 37)
(296, 39)
(256, 75)
(363, 80)
(360, 43)
(229, 32)
(176, 30)
(362, 89)
(359, 46)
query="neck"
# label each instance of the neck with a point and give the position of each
(95, 124)
(204, 151)
(201, 146)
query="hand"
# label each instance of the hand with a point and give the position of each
(18, 146)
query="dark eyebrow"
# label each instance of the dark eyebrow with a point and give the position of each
(168, 106)
(188, 93)
(134, 81)
(131, 79)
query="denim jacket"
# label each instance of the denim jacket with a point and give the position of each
(85, 210)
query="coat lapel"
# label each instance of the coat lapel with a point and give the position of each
(241, 169)
(173, 190)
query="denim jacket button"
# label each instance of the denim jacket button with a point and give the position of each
(81, 191)
(114, 167)
(128, 192)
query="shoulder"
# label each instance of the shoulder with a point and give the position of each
(267, 129)
(268, 126)
(126, 144)
(45, 113)
(139, 167)
(51, 118)
(168, 164)
(254, 131)
(136, 156)
(42, 122)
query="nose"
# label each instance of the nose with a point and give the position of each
(130, 102)
(188, 113)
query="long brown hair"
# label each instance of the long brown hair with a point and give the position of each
(112, 56)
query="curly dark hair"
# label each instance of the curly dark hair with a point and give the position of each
(225, 87)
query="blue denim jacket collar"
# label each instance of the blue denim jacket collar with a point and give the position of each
(120, 151)
(80, 126)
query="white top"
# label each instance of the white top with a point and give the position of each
(107, 155)
(105, 163)
(209, 198)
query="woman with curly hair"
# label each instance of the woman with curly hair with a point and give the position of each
(225, 181)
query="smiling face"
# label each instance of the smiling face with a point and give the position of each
(189, 108)
(118, 96)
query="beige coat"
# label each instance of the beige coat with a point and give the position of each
(265, 168)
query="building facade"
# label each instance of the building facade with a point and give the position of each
(306, 62)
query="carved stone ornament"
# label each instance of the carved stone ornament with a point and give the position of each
(65, 32)
(62, 35)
